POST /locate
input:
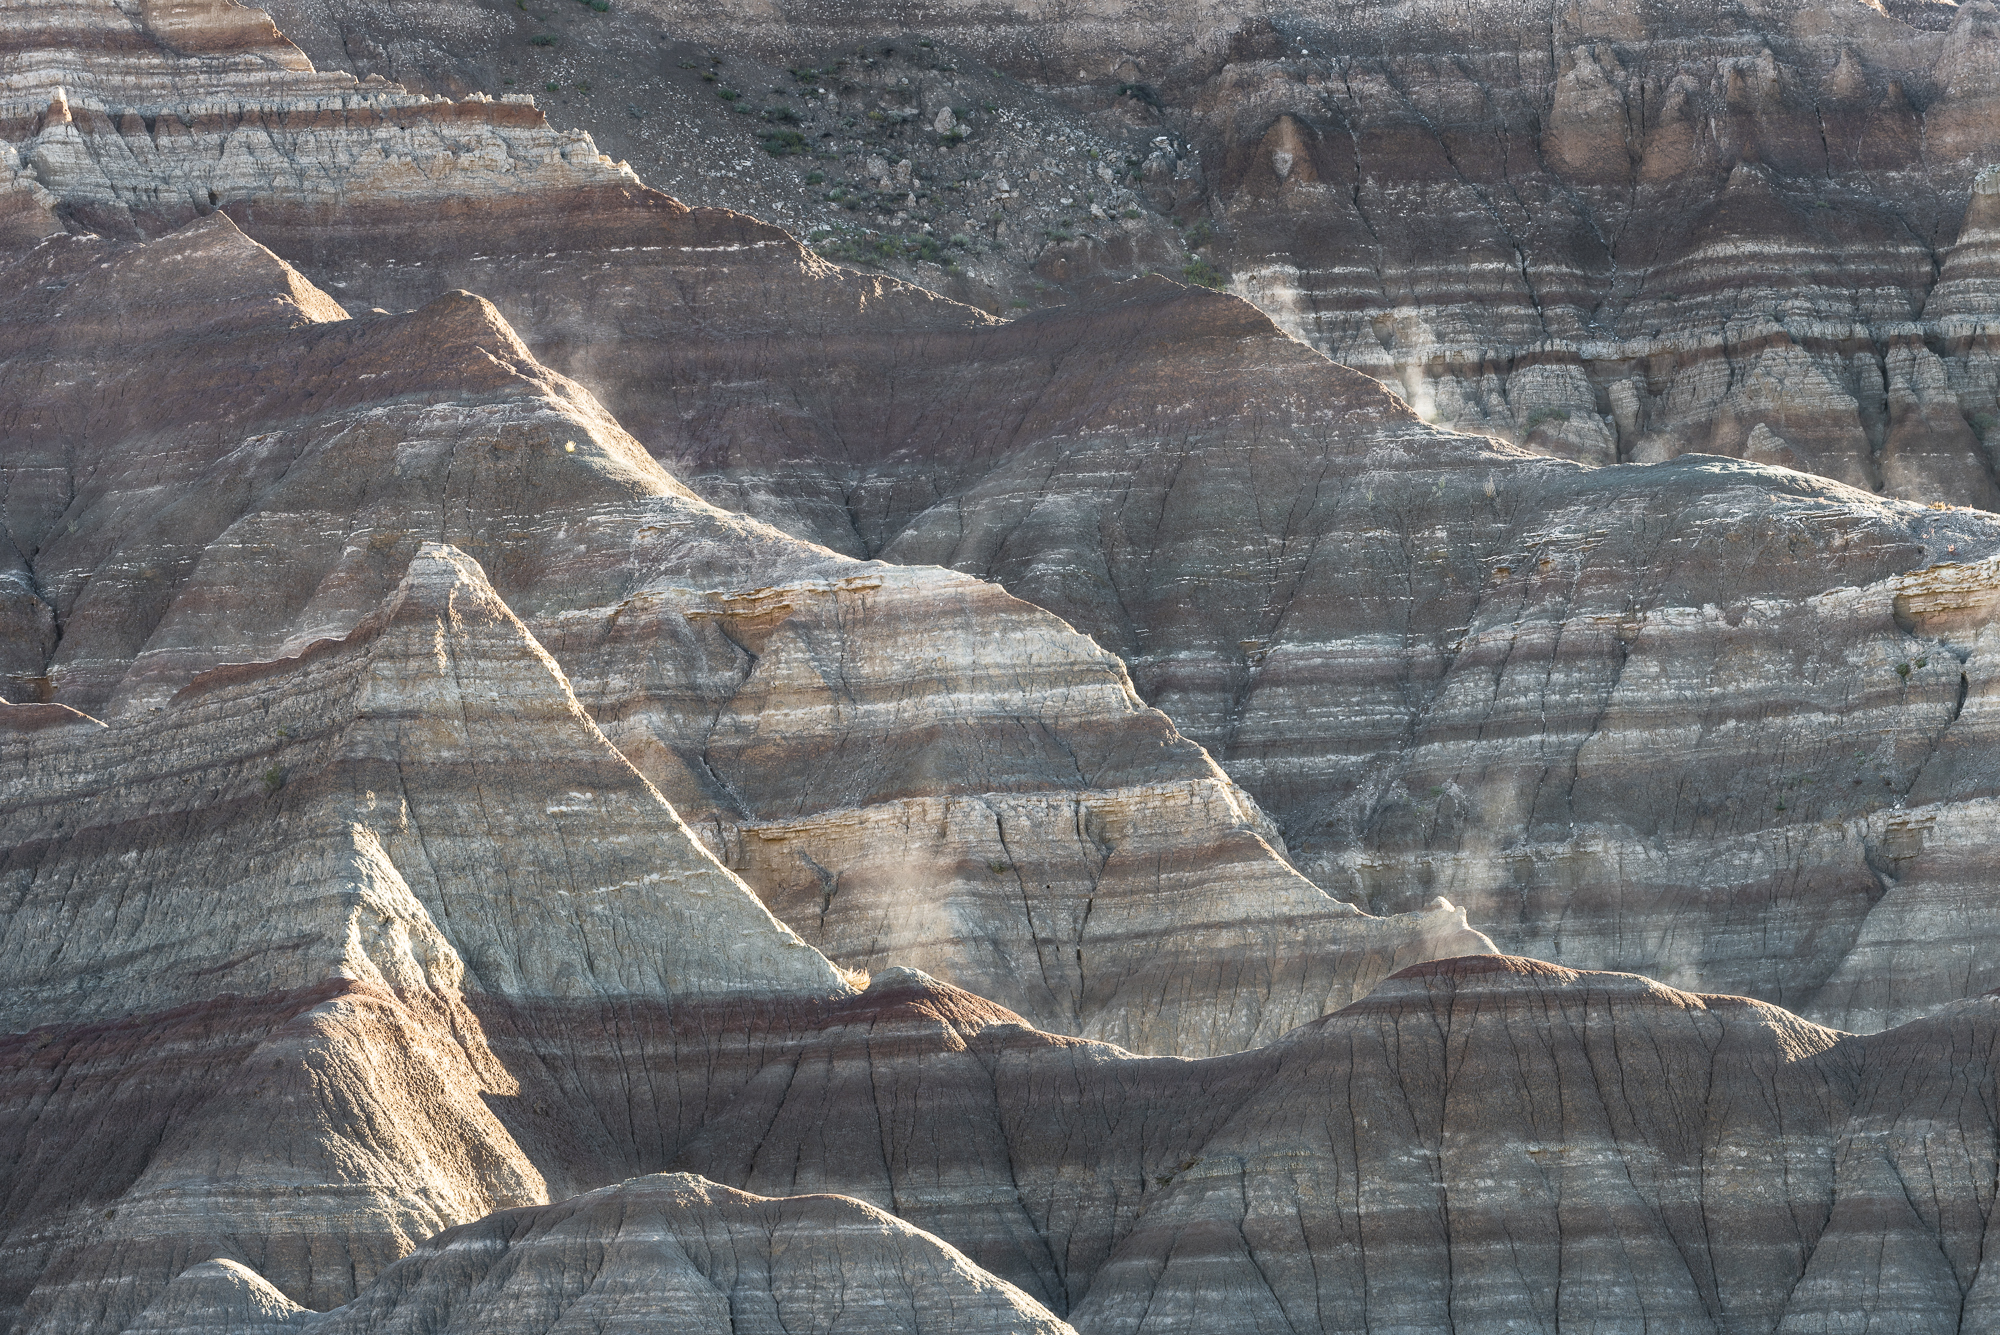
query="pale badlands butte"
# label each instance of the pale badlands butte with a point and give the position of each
(856, 667)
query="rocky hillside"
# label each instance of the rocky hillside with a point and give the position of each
(1605, 232)
(572, 763)
(1477, 717)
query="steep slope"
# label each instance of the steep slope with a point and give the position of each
(1483, 1141)
(1438, 729)
(909, 763)
(1477, 718)
(1604, 232)
(401, 856)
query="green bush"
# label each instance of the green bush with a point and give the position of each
(1199, 271)
(780, 143)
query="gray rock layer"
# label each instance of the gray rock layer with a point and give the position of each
(672, 1252)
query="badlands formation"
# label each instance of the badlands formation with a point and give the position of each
(572, 764)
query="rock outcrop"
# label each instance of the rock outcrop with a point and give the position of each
(1355, 712)
(1632, 235)
(1481, 1140)
(441, 849)
(1476, 718)
(668, 1252)
(910, 764)
(1602, 232)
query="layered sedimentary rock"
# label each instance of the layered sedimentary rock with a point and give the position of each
(1482, 1140)
(1613, 712)
(1630, 234)
(393, 627)
(1477, 719)
(903, 760)
(145, 116)
(400, 854)
(1605, 233)
(669, 1252)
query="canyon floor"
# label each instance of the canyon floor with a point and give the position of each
(850, 667)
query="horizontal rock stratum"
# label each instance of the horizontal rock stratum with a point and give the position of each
(569, 764)
(1602, 231)
(1437, 1155)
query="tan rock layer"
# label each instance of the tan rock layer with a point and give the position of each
(822, 704)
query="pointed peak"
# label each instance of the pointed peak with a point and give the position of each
(463, 314)
(205, 278)
(912, 992)
(899, 978)
(441, 577)
(220, 1297)
(440, 582)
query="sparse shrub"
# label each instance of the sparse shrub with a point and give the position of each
(274, 779)
(781, 143)
(1199, 271)
(542, 39)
